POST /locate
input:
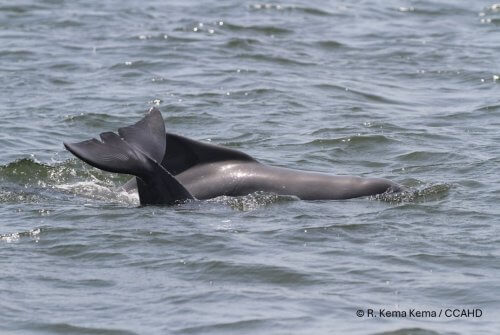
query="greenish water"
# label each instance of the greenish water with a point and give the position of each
(405, 90)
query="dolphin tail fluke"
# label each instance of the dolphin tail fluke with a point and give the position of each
(137, 150)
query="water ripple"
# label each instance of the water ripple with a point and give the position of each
(66, 328)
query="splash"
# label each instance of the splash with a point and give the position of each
(423, 193)
(28, 172)
(252, 201)
(491, 14)
(27, 180)
(95, 191)
(34, 234)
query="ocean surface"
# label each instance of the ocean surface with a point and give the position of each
(405, 90)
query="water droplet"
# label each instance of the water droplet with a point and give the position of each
(406, 9)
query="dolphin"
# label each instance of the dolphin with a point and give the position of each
(170, 168)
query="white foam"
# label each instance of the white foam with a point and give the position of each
(94, 190)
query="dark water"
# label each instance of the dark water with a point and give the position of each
(406, 90)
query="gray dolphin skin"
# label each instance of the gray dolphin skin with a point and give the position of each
(170, 169)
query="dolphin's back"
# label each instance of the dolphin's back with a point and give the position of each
(170, 168)
(183, 153)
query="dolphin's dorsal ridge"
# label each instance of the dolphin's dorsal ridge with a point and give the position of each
(182, 153)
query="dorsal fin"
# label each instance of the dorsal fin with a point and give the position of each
(183, 153)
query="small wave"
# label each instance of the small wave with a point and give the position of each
(330, 87)
(428, 156)
(15, 195)
(357, 140)
(374, 97)
(330, 45)
(26, 180)
(488, 109)
(18, 54)
(275, 59)
(65, 23)
(66, 328)
(14, 237)
(328, 130)
(495, 21)
(491, 14)
(28, 172)
(174, 38)
(135, 65)
(18, 9)
(265, 30)
(242, 43)
(97, 120)
(409, 331)
(252, 272)
(441, 9)
(423, 193)
(290, 8)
